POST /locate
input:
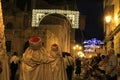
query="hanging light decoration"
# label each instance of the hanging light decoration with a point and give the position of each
(39, 14)
(91, 45)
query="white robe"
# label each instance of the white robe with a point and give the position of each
(58, 66)
(5, 67)
(34, 65)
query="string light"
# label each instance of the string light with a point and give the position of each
(39, 14)
(91, 45)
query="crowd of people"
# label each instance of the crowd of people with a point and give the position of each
(39, 64)
(102, 67)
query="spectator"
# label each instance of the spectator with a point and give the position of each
(101, 64)
(0, 67)
(78, 66)
(69, 62)
(14, 61)
(111, 66)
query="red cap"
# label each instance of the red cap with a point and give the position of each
(54, 45)
(34, 40)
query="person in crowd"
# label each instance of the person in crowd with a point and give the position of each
(100, 70)
(69, 64)
(78, 66)
(35, 63)
(111, 66)
(58, 66)
(14, 62)
(101, 64)
(98, 58)
(0, 67)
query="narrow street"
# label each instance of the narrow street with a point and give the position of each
(74, 77)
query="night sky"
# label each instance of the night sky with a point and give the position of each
(93, 10)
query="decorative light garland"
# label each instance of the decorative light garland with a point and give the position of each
(91, 45)
(39, 14)
(93, 41)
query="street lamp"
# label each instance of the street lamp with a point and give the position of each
(108, 19)
(76, 49)
(81, 54)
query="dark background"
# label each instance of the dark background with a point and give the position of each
(93, 10)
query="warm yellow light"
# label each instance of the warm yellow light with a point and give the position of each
(108, 19)
(80, 47)
(90, 56)
(74, 47)
(81, 54)
(77, 46)
(116, 18)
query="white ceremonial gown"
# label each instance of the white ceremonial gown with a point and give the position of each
(58, 66)
(35, 65)
(5, 67)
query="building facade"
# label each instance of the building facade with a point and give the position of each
(53, 28)
(112, 25)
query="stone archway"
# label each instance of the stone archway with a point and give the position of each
(59, 32)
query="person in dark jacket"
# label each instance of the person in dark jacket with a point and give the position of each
(78, 66)
(14, 65)
(69, 64)
(0, 67)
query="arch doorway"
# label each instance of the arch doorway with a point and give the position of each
(59, 26)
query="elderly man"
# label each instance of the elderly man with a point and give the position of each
(111, 66)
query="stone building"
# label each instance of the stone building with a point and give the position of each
(112, 26)
(54, 27)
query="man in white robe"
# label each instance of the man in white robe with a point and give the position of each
(35, 62)
(58, 66)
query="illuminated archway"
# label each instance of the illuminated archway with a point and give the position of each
(38, 15)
